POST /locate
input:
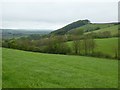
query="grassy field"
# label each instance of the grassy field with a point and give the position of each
(113, 30)
(37, 70)
(106, 46)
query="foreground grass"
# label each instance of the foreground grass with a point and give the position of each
(36, 70)
(0, 67)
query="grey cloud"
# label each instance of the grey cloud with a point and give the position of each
(56, 14)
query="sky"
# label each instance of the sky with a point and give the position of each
(54, 14)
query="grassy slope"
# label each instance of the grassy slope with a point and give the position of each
(27, 69)
(104, 45)
(112, 29)
(91, 26)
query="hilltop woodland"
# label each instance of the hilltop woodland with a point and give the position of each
(77, 38)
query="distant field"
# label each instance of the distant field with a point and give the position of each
(105, 46)
(17, 33)
(37, 70)
(95, 28)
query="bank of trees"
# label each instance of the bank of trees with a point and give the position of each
(59, 45)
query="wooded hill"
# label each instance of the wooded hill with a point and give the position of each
(85, 26)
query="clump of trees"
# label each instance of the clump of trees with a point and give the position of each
(89, 44)
(57, 45)
(77, 47)
(85, 46)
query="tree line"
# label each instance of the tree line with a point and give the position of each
(58, 45)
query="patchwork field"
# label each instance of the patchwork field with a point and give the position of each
(36, 70)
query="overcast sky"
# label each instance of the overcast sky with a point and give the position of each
(54, 14)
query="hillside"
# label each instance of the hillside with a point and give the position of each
(85, 28)
(70, 26)
(36, 70)
(91, 27)
(113, 29)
